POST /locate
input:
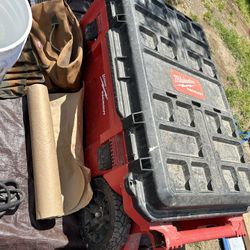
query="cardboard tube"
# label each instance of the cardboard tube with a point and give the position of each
(48, 197)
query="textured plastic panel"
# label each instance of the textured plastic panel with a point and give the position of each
(185, 157)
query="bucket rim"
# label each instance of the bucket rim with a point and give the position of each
(26, 33)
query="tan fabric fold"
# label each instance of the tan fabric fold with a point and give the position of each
(58, 41)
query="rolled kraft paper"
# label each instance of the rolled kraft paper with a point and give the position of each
(48, 197)
(67, 116)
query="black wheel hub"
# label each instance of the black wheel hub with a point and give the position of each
(96, 219)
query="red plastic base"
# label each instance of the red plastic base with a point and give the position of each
(175, 238)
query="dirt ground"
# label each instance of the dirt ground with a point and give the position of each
(207, 245)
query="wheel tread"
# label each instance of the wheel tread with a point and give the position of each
(121, 223)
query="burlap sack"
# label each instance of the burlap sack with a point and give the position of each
(57, 38)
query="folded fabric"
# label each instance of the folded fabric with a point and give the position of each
(58, 41)
(27, 71)
(52, 54)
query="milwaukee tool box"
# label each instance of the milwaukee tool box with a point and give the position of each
(159, 129)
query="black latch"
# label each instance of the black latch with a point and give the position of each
(118, 20)
(91, 31)
(133, 120)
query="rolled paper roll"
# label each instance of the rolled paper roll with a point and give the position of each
(67, 116)
(48, 196)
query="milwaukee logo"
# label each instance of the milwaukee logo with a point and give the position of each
(187, 85)
(104, 92)
(180, 81)
(104, 86)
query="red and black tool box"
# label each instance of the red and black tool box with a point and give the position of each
(159, 129)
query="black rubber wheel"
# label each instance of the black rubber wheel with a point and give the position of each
(104, 224)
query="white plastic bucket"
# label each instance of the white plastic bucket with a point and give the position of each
(15, 26)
